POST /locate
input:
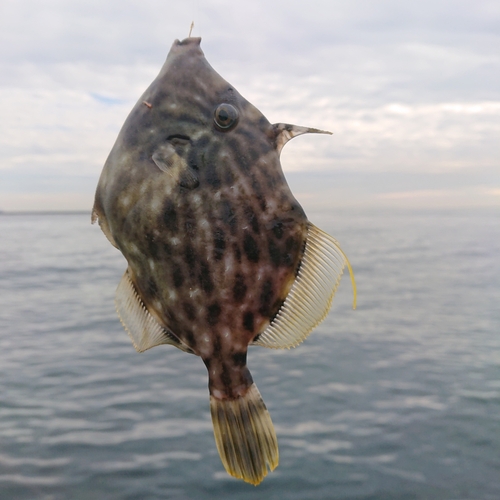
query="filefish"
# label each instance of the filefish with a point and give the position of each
(220, 254)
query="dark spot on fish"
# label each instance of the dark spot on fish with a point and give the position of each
(228, 215)
(177, 276)
(240, 153)
(291, 244)
(252, 218)
(248, 321)
(227, 172)
(217, 352)
(191, 341)
(240, 358)
(259, 195)
(205, 279)
(239, 288)
(266, 295)
(213, 313)
(211, 163)
(254, 154)
(274, 253)
(190, 227)
(251, 248)
(136, 217)
(190, 255)
(211, 175)
(237, 252)
(248, 137)
(192, 159)
(190, 224)
(278, 229)
(189, 310)
(170, 216)
(210, 149)
(152, 245)
(225, 377)
(219, 244)
(167, 249)
(291, 247)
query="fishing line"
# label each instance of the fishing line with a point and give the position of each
(195, 10)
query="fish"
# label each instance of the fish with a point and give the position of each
(220, 255)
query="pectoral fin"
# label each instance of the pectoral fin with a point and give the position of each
(142, 328)
(311, 295)
(168, 160)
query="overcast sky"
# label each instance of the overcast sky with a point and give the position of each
(411, 91)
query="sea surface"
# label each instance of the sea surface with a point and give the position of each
(399, 399)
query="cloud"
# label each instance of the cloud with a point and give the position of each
(406, 88)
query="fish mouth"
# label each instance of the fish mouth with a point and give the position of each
(179, 139)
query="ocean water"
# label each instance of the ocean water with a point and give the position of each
(399, 399)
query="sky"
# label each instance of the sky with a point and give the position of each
(410, 90)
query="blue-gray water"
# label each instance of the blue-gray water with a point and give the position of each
(397, 400)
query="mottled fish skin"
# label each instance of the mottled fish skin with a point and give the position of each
(220, 254)
(212, 257)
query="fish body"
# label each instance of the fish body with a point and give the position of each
(220, 254)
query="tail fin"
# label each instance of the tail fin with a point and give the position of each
(245, 437)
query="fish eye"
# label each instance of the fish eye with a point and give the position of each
(225, 116)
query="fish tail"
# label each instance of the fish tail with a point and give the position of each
(245, 436)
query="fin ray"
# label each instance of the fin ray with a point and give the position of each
(168, 160)
(245, 436)
(144, 331)
(311, 295)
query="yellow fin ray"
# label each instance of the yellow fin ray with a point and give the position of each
(245, 436)
(144, 331)
(312, 292)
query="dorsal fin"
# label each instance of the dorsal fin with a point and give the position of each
(311, 295)
(283, 132)
(144, 331)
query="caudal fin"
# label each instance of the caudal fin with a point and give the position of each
(245, 437)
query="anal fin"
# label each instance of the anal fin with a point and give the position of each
(144, 331)
(311, 295)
